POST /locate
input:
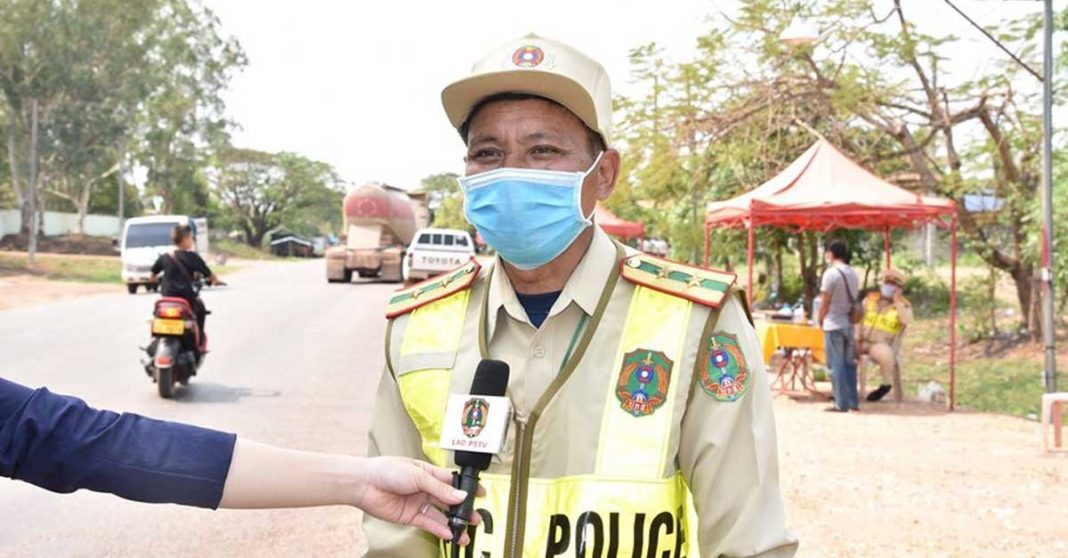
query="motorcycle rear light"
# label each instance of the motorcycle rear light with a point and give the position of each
(164, 360)
(169, 311)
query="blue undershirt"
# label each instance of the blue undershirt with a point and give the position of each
(538, 305)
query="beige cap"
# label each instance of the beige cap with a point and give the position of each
(536, 66)
(895, 276)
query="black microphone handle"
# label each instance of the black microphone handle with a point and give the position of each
(460, 514)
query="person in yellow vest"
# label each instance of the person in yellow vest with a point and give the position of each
(886, 313)
(643, 421)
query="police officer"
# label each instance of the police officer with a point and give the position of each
(643, 421)
(879, 335)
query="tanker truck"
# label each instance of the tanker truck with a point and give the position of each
(379, 223)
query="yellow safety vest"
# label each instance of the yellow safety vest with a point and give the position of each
(888, 321)
(627, 506)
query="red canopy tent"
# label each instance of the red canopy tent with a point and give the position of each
(823, 190)
(615, 226)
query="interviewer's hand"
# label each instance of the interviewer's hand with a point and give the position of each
(408, 492)
(393, 489)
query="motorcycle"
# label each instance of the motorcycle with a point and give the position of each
(178, 347)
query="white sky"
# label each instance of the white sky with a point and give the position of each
(357, 84)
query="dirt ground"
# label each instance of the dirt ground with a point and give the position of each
(26, 290)
(912, 480)
(893, 480)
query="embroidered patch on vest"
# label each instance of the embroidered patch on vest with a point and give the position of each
(724, 374)
(643, 382)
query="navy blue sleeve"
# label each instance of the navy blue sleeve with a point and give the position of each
(61, 444)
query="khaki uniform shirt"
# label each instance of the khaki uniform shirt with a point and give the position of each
(726, 450)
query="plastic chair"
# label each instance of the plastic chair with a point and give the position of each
(1053, 414)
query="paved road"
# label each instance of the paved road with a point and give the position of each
(294, 361)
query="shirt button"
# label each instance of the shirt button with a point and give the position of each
(539, 352)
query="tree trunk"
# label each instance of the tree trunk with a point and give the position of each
(777, 285)
(812, 279)
(26, 214)
(255, 231)
(22, 198)
(1023, 277)
(83, 207)
(31, 183)
(246, 229)
(806, 253)
(257, 237)
(992, 292)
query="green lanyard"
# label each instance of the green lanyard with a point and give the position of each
(574, 339)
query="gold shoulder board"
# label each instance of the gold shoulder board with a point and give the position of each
(435, 288)
(704, 286)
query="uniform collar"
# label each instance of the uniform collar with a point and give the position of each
(584, 287)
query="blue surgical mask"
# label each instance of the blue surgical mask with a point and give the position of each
(888, 290)
(528, 216)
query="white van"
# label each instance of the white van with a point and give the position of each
(435, 251)
(145, 238)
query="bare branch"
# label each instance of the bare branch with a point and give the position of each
(904, 107)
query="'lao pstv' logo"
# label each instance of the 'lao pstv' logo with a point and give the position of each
(723, 373)
(474, 419)
(643, 382)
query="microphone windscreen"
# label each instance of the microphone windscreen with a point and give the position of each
(491, 378)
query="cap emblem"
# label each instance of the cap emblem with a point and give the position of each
(528, 56)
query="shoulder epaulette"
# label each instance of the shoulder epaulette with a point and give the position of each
(703, 286)
(435, 288)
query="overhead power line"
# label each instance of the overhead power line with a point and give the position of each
(995, 40)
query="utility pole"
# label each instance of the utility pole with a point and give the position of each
(1048, 333)
(122, 191)
(31, 244)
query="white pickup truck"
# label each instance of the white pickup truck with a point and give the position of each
(435, 251)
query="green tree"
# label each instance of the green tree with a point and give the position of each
(182, 122)
(443, 189)
(111, 79)
(263, 192)
(980, 136)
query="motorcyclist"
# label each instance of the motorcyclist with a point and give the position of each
(181, 268)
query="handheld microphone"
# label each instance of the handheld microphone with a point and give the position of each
(475, 427)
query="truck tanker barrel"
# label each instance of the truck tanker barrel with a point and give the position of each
(380, 221)
(373, 205)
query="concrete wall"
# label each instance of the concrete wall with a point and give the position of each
(56, 223)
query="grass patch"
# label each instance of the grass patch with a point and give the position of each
(82, 269)
(223, 270)
(86, 269)
(240, 250)
(1011, 386)
(992, 376)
